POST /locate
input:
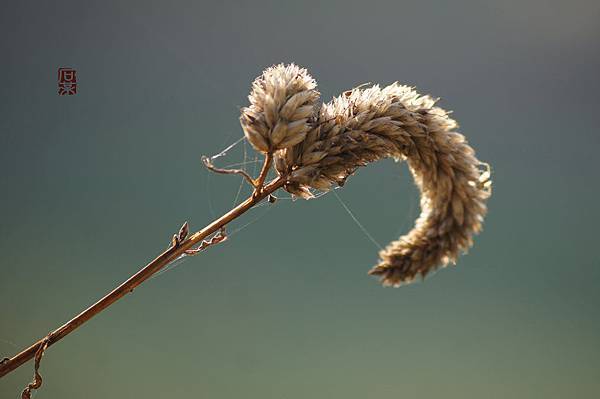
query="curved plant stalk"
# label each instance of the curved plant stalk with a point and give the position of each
(315, 147)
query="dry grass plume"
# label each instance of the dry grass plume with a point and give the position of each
(316, 147)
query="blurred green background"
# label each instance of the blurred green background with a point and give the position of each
(93, 186)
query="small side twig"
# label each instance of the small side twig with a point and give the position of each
(210, 166)
(217, 238)
(37, 378)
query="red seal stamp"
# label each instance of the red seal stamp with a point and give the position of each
(67, 81)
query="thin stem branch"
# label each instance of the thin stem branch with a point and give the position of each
(175, 251)
(210, 166)
(263, 173)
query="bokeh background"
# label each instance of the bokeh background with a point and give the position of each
(93, 186)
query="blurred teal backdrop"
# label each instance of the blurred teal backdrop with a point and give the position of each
(93, 186)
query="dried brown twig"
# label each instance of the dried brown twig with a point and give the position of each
(314, 148)
(181, 245)
(37, 378)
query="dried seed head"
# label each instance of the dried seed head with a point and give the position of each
(282, 103)
(365, 125)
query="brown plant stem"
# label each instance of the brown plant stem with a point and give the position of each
(209, 165)
(263, 174)
(8, 365)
